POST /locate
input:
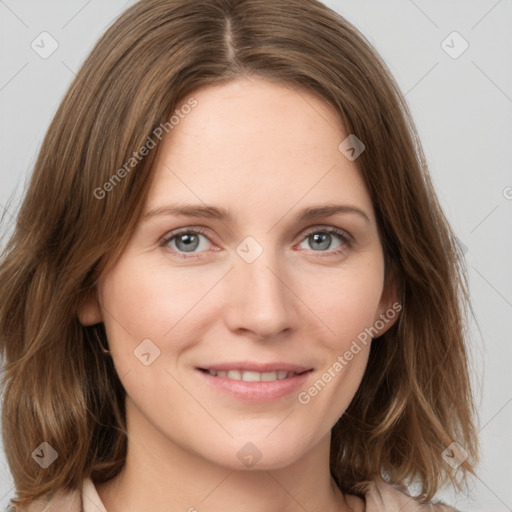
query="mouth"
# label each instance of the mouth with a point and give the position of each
(255, 382)
(252, 376)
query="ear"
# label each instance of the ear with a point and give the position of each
(89, 311)
(389, 305)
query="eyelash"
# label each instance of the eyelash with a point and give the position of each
(345, 239)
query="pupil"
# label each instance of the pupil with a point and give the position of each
(323, 239)
(188, 241)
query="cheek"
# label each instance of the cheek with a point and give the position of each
(329, 393)
(143, 300)
(348, 305)
(346, 302)
(148, 301)
(144, 309)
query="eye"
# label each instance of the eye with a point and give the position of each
(321, 240)
(185, 240)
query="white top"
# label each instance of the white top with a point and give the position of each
(90, 498)
(381, 497)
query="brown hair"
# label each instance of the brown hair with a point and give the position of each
(415, 397)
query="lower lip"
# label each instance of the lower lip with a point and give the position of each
(259, 391)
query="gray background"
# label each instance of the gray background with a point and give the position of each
(462, 107)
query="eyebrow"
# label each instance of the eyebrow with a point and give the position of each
(214, 212)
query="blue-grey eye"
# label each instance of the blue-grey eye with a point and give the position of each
(322, 240)
(187, 241)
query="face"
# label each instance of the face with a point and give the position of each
(245, 318)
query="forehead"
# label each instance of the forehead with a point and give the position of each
(251, 143)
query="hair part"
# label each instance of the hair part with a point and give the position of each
(415, 397)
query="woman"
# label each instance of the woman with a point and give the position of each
(231, 285)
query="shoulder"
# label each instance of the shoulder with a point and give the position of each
(78, 500)
(385, 497)
(63, 501)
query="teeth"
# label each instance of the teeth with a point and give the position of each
(249, 376)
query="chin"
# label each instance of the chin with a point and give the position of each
(261, 452)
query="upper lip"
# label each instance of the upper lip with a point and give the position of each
(251, 366)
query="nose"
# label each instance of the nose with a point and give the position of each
(259, 298)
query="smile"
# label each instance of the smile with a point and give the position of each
(252, 376)
(250, 385)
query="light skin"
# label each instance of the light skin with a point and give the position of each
(264, 152)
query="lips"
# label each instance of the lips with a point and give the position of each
(252, 386)
(255, 382)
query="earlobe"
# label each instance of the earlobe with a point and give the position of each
(89, 312)
(388, 318)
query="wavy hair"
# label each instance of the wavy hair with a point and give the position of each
(415, 398)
